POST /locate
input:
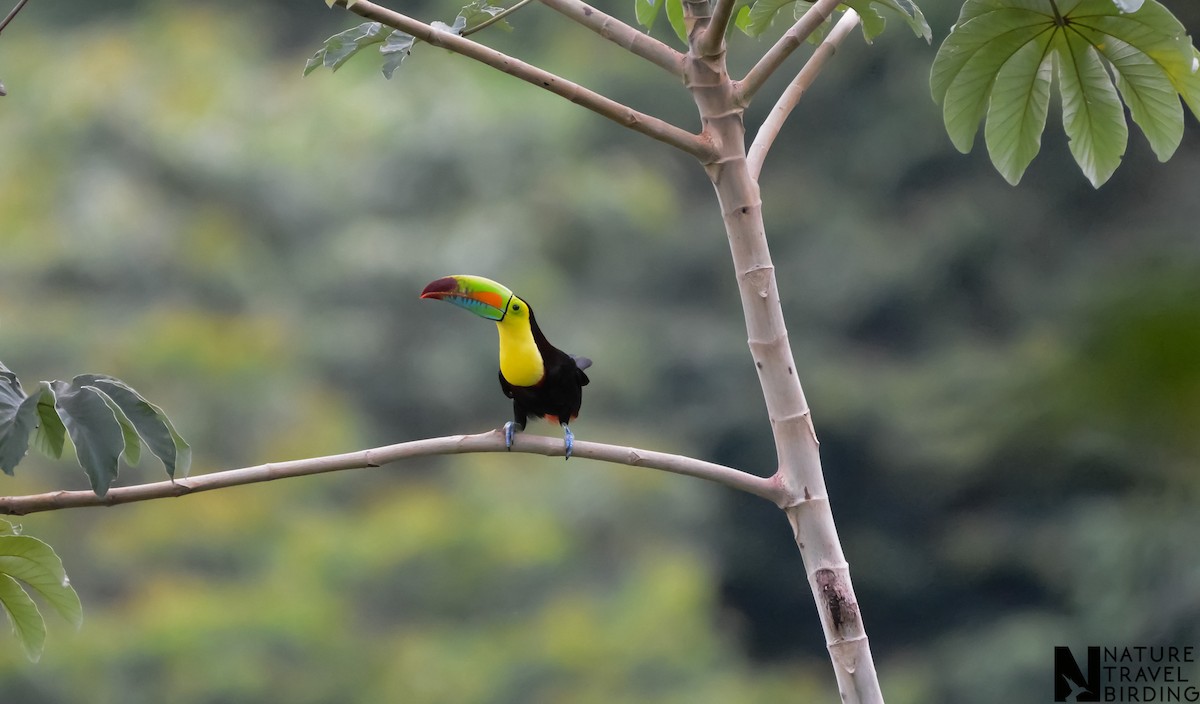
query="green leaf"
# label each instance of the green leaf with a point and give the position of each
(149, 421)
(9, 528)
(675, 17)
(18, 417)
(14, 439)
(1187, 82)
(989, 65)
(872, 22)
(395, 45)
(984, 45)
(761, 14)
(51, 434)
(339, 48)
(35, 563)
(1152, 99)
(460, 23)
(27, 623)
(646, 11)
(1092, 114)
(104, 417)
(133, 445)
(481, 11)
(1155, 32)
(94, 431)
(1017, 114)
(27, 561)
(909, 11)
(395, 50)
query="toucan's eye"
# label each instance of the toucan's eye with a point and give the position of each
(516, 306)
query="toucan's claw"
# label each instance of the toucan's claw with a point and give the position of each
(568, 440)
(509, 428)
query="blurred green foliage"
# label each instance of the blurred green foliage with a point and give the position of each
(1004, 379)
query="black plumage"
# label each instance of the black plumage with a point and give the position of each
(559, 394)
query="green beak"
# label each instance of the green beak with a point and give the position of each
(483, 297)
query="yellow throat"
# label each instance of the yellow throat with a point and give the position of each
(520, 361)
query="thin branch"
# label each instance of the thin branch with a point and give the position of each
(777, 54)
(767, 488)
(795, 91)
(639, 122)
(11, 15)
(711, 42)
(629, 38)
(495, 18)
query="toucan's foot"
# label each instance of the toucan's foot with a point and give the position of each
(509, 428)
(569, 441)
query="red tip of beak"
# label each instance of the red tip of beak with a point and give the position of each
(441, 287)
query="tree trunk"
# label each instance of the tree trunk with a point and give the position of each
(799, 472)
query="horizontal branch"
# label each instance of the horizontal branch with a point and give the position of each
(632, 40)
(788, 43)
(767, 488)
(624, 115)
(795, 91)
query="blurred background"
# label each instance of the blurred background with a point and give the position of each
(1006, 381)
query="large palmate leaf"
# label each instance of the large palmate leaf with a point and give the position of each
(997, 63)
(104, 417)
(758, 16)
(27, 563)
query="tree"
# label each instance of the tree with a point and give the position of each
(734, 169)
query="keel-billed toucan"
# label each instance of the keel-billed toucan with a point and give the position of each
(542, 380)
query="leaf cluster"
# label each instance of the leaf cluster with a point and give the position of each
(394, 45)
(754, 18)
(29, 563)
(104, 417)
(1000, 59)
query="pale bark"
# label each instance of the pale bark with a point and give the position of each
(771, 126)
(767, 488)
(713, 38)
(721, 102)
(783, 48)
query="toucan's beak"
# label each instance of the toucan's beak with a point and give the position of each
(481, 296)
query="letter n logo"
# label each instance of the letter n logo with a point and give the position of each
(1070, 683)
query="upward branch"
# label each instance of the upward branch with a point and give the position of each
(639, 122)
(788, 43)
(795, 91)
(713, 39)
(635, 42)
